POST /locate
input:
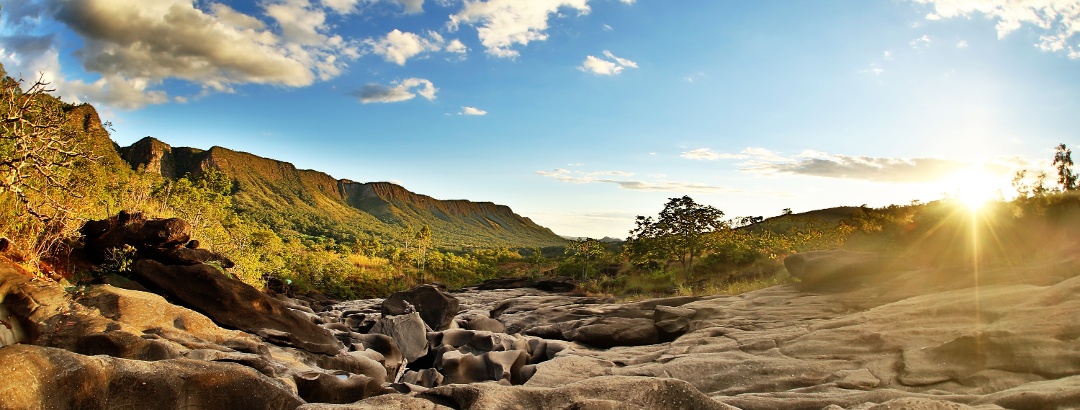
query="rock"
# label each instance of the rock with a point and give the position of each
(409, 333)
(384, 402)
(386, 347)
(611, 331)
(187, 256)
(486, 324)
(43, 377)
(672, 321)
(463, 368)
(835, 269)
(597, 393)
(436, 307)
(318, 387)
(425, 378)
(232, 303)
(161, 233)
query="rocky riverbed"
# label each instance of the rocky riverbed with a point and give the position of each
(859, 332)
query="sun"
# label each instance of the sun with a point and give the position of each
(974, 188)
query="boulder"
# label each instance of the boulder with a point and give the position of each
(43, 377)
(235, 304)
(409, 333)
(833, 269)
(436, 307)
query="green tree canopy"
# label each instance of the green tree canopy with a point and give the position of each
(680, 232)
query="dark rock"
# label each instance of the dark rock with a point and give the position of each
(425, 378)
(161, 233)
(672, 321)
(386, 347)
(614, 331)
(833, 269)
(318, 387)
(234, 304)
(436, 307)
(187, 256)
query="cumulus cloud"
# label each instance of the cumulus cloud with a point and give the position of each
(1059, 20)
(457, 47)
(399, 91)
(600, 66)
(472, 111)
(398, 46)
(135, 45)
(503, 24)
(621, 179)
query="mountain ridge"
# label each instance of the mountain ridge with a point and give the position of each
(315, 203)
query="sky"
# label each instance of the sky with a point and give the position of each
(582, 114)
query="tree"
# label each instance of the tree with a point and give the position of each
(1064, 163)
(586, 249)
(40, 161)
(423, 243)
(680, 232)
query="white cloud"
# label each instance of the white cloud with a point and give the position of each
(600, 66)
(397, 46)
(472, 111)
(456, 46)
(503, 24)
(921, 42)
(608, 27)
(873, 69)
(752, 154)
(399, 91)
(622, 61)
(341, 6)
(135, 45)
(627, 1)
(620, 178)
(1058, 19)
(962, 44)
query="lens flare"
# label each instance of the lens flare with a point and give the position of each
(974, 188)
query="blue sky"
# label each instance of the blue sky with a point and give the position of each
(582, 114)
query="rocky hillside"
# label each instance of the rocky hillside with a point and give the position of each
(314, 203)
(858, 331)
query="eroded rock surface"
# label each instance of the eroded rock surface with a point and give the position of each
(894, 338)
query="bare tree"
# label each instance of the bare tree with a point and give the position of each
(38, 158)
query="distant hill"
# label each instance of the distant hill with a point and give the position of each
(314, 203)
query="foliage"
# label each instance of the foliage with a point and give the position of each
(43, 166)
(585, 250)
(1064, 163)
(680, 232)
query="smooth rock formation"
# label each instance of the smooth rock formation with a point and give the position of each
(43, 377)
(436, 307)
(234, 304)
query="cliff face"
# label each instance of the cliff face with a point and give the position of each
(315, 203)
